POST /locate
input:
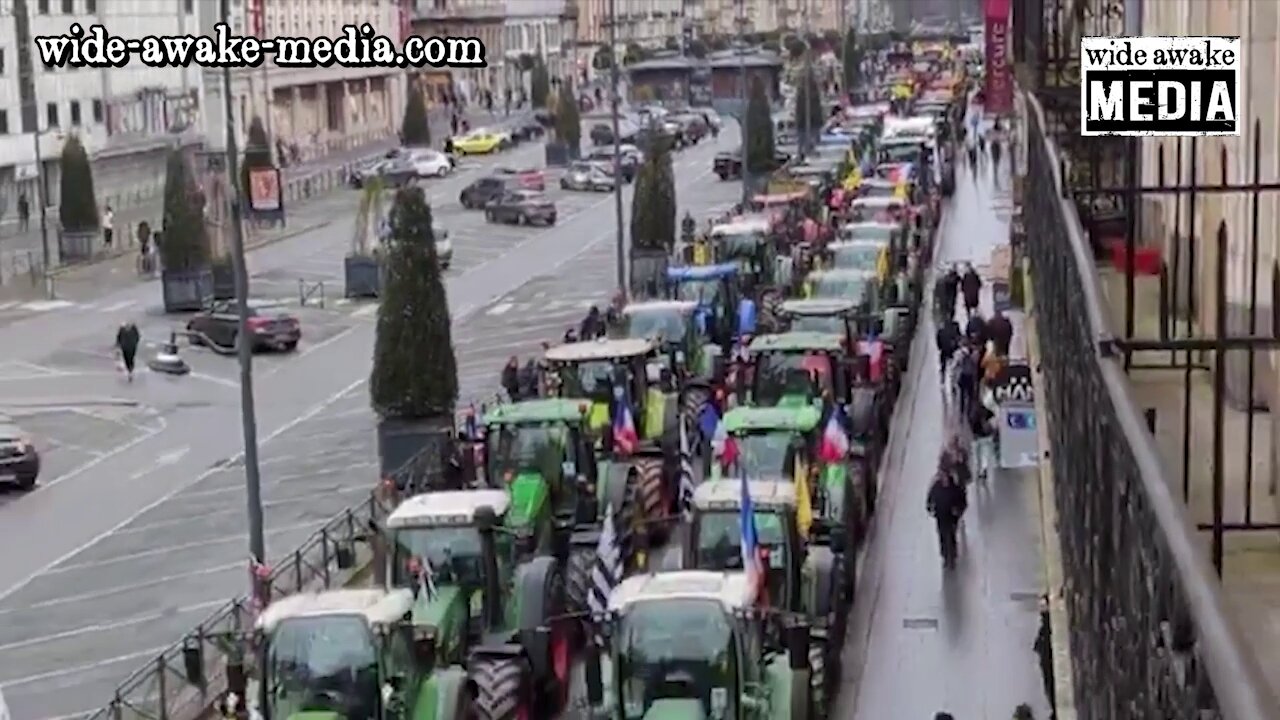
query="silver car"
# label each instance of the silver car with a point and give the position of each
(586, 176)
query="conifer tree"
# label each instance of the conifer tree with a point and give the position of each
(653, 206)
(568, 119)
(415, 129)
(760, 147)
(539, 83)
(809, 116)
(78, 204)
(184, 244)
(852, 61)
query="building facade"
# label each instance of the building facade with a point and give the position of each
(483, 19)
(127, 117)
(544, 29)
(647, 23)
(314, 112)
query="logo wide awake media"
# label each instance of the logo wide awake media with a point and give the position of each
(1167, 86)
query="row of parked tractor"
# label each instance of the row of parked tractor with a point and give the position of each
(684, 506)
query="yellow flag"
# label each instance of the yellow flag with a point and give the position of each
(804, 503)
(882, 264)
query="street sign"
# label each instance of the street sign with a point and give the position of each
(1013, 384)
(1019, 442)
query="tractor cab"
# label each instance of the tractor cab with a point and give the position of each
(716, 291)
(695, 644)
(894, 209)
(857, 286)
(835, 317)
(344, 653)
(477, 601)
(601, 370)
(874, 187)
(675, 326)
(748, 242)
(540, 452)
(877, 248)
(797, 369)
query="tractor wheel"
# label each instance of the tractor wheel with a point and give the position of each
(818, 679)
(695, 398)
(651, 490)
(770, 309)
(499, 687)
(577, 578)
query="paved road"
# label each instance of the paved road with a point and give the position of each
(142, 542)
(926, 640)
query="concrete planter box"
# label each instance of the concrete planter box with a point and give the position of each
(76, 247)
(224, 281)
(411, 451)
(362, 276)
(186, 290)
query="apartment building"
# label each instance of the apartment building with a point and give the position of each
(648, 23)
(127, 117)
(544, 29)
(483, 19)
(313, 112)
(725, 17)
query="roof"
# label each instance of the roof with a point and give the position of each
(857, 244)
(447, 507)
(842, 274)
(701, 272)
(727, 495)
(879, 201)
(375, 605)
(801, 418)
(602, 349)
(730, 589)
(680, 306)
(871, 225)
(535, 411)
(879, 182)
(796, 342)
(743, 224)
(825, 306)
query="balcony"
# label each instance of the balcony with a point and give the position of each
(459, 10)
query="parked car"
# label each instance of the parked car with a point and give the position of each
(481, 191)
(219, 325)
(526, 178)
(479, 142)
(630, 163)
(728, 165)
(587, 176)
(19, 459)
(521, 207)
(394, 173)
(527, 128)
(693, 127)
(429, 163)
(444, 246)
(601, 133)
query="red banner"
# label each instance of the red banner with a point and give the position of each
(998, 89)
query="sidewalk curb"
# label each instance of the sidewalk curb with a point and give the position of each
(1059, 618)
(53, 403)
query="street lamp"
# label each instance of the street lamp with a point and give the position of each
(615, 100)
(42, 197)
(742, 90)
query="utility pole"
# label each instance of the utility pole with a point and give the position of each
(244, 348)
(806, 70)
(31, 124)
(615, 101)
(742, 117)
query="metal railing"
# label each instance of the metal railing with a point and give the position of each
(1150, 637)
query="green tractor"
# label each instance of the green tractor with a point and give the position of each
(770, 442)
(603, 371)
(802, 575)
(543, 454)
(685, 342)
(696, 645)
(350, 653)
(480, 602)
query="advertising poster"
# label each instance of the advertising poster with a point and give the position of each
(265, 199)
(1019, 443)
(998, 89)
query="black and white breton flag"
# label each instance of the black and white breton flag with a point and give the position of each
(607, 572)
(686, 473)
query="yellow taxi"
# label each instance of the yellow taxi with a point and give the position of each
(478, 142)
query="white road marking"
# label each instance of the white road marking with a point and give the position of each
(117, 307)
(46, 305)
(103, 627)
(366, 311)
(172, 457)
(312, 412)
(148, 653)
(500, 309)
(102, 592)
(10, 305)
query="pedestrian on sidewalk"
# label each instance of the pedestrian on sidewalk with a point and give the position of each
(127, 340)
(1044, 650)
(1023, 712)
(971, 288)
(108, 226)
(453, 123)
(511, 378)
(1000, 331)
(24, 213)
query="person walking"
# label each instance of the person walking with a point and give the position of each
(946, 502)
(24, 213)
(127, 341)
(1044, 651)
(971, 288)
(1000, 332)
(511, 378)
(948, 340)
(108, 226)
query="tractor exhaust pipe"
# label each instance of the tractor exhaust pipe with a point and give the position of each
(487, 523)
(798, 655)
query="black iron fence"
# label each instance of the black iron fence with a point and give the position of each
(1150, 637)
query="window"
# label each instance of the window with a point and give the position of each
(1, 61)
(75, 113)
(51, 115)
(97, 111)
(4, 122)
(91, 6)
(43, 7)
(188, 6)
(68, 7)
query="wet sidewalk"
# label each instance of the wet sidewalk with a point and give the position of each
(925, 640)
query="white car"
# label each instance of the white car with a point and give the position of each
(429, 163)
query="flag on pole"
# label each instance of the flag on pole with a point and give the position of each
(625, 437)
(804, 498)
(607, 572)
(751, 560)
(424, 576)
(686, 473)
(834, 445)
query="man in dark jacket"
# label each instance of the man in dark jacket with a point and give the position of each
(971, 287)
(1000, 332)
(511, 378)
(1044, 651)
(975, 331)
(950, 288)
(592, 325)
(946, 503)
(127, 340)
(528, 379)
(948, 339)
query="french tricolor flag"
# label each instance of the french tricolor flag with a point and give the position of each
(625, 437)
(834, 445)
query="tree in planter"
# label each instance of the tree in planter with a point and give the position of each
(760, 147)
(852, 60)
(603, 59)
(634, 54)
(809, 117)
(653, 206)
(415, 128)
(539, 84)
(415, 372)
(184, 244)
(568, 120)
(831, 38)
(78, 207)
(696, 49)
(796, 47)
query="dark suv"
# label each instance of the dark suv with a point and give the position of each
(480, 192)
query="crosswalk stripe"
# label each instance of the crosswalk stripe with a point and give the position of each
(117, 307)
(46, 305)
(9, 305)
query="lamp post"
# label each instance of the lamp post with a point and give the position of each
(742, 68)
(614, 101)
(42, 197)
